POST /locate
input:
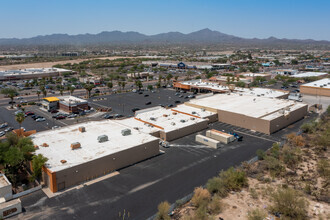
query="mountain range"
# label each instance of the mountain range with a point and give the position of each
(204, 36)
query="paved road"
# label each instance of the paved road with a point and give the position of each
(138, 189)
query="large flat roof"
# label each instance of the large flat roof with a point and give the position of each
(59, 141)
(31, 71)
(274, 93)
(257, 107)
(167, 119)
(309, 74)
(4, 181)
(322, 83)
(200, 112)
(71, 99)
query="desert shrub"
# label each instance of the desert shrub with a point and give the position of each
(179, 203)
(257, 214)
(275, 151)
(201, 213)
(253, 193)
(274, 166)
(291, 156)
(309, 127)
(261, 154)
(289, 203)
(201, 197)
(323, 167)
(215, 206)
(295, 140)
(217, 186)
(234, 179)
(163, 210)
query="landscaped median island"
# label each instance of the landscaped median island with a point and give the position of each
(289, 181)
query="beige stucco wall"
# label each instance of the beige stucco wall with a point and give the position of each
(175, 134)
(314, 91)
(95, 168)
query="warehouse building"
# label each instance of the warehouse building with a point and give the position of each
(317, 88)
(206, 86)
(82, 152)
(171, 123)
(31, 73)
(265, 115)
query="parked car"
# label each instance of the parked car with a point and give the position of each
(191, 96)
(72, 116)
(4, 125)
(2, 133)
(140, 93)
(53, 111)
(29, 113)
(148, 103)
(177, 93)
(170, 105)
(146, 95)
(177, 101)
(60, 117)
(19, 111)
(9, 129)
(38, 116)
(118, 116)
(55, 127)
(135, 109)
(40, 119)
(107, 116)
(11, 102)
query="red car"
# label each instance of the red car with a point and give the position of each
(29, 113)
(60, 117)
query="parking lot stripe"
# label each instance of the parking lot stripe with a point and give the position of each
(267, 139)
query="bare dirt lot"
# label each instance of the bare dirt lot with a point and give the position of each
(50, 64)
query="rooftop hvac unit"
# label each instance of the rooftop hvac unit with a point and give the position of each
(63, 161)
(192, 118)
(281, 111)
(152, 119)
(75, 145)
(136, 128)
(102, 138)
(126, 132)
(194, 113)
(82, 129)
(172, 123)
(165, 115)
(321, 86)
(183, 121)
(174, 113)
(45, 145)
(203, 109)
(240, 94)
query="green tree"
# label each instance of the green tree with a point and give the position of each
(20, 117)
(88, 87)
(109, 85)
(169, 77)
(38, 161)
(11, 93)
(123, 84)
(71, 89)
(38, 94)
(44, 92)
(150, 87)
(138, 84)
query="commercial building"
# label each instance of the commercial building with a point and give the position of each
(171, 124)
(5, 188)
(72, 104)
(310, 74)
(31, 73)
(286, 72)
(65, 103)
(81, 152)
(262, 114)
(317, 88)
(206, 86)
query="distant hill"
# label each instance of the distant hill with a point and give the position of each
(204, 36)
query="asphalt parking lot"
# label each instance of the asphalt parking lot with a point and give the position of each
(139, 188)
(123, 103)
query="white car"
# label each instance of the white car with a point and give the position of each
(40, 119)
(2, 133)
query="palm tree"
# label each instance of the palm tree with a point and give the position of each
(88, 87)
(71, 89)
(123, 85)
(44, 92)
(20, 117)
(11, 93)
(110, 85)
(38, 94)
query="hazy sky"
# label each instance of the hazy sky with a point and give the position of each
(299, 19)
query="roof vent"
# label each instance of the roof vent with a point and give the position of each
(75, 145)
(63, 161)
(102, 138)
(45, 145)
(172, 123)
(82, 129)
(126, 132)
(203, 109)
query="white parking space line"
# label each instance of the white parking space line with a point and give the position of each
(267, 139)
